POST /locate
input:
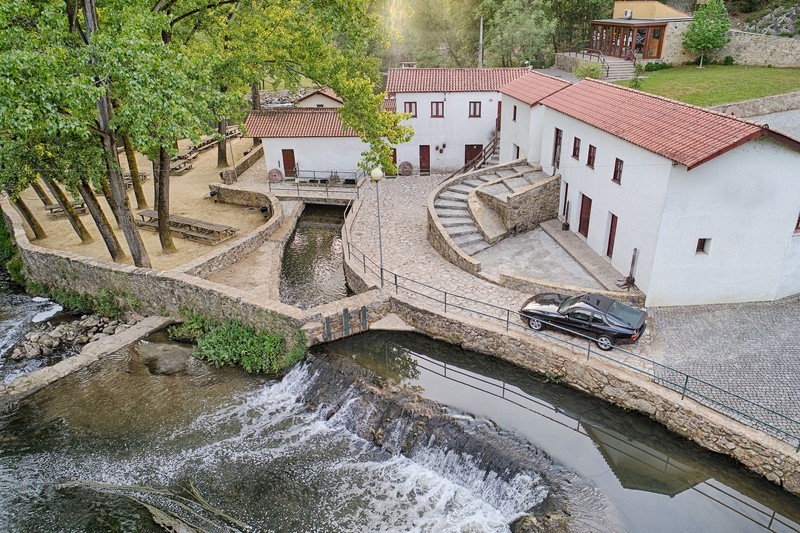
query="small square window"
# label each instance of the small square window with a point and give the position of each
(410, 108)
(617, 171)
(474, 110)
(703, 245)
(514, 114)
(591, 156)
(576, 148)
(437, 109)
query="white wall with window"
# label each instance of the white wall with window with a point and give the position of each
(315, 153)
(453, 131)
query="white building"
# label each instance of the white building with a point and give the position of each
(323, 97)
(455, 112)
(522, 115)
(710, 203)
(306, 139)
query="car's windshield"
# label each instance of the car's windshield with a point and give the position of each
(569, 302)
(625, 313)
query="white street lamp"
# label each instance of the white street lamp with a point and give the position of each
(377, 176)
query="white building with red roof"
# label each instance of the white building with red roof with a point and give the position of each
(306, 139)
(455, 112)
(709, 204)
(322, 97)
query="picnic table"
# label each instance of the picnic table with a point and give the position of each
(180, 167)
(56, 211)
(126, 178)
(188, 228)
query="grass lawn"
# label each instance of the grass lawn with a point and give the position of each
(718, 84)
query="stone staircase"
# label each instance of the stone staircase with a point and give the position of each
(453, 208)
(619, 69)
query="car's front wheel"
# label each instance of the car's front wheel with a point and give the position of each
(535, 324)
(604, 342)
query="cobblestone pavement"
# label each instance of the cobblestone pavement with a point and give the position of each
(752, 350)
(787, 122)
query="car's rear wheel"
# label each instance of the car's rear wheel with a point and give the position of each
(604, 342)
(535, 323)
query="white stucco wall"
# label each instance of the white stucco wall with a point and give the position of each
(637, 201)
(455, 130)
(747, 202)
(514, 132)
(315, 153)
(315, 100)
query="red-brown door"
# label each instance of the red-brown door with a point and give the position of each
(586, 212)
(612, 234)
(499, 114)
(471, 151)
(394, 156)
(557, 148)
(424, 159)
(288, 163)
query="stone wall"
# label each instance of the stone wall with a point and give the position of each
(524, 210)
(672, 50)
(760, 50)
(333, 316)
(775, 460)
(536, 286)
(762, 106)
(565, 62)
(229, 175)
(226, 255)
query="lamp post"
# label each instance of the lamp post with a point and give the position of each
(377, 176)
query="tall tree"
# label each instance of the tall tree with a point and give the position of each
(708, 30)
(519, 32)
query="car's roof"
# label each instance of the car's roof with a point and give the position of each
(598, 301)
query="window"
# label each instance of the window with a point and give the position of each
(617, 171)
(437, 109)
(703, 246)
(320, 105)
(474, 109)
(514, 114)
(576, 148)
(797, 226)
(581, 316)
(516, 151)
(590, 157)
(410, 108)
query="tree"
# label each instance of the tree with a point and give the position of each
(708, 30)
(518, 32)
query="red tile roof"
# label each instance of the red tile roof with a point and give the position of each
(686, 134)
(325, 91)
(533, 86)
(450, 80)
(297, 122)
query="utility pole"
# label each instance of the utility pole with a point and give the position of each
(480, 47)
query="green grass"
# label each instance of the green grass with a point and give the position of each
(718, 84)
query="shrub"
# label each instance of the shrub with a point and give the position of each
(234, 343)
(728, 60)
(588, 69)
(657, 65)
(192, 328)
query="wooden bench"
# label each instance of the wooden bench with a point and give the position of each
(188, 228)
(128, 180)
(56, 211)
(180, 168)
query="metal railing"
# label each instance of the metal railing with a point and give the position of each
(318, 183)
(477, 161)
(590, 54)
(716, 398)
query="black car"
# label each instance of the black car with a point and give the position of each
(604, 319)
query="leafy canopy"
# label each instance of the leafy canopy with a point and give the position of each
(708, 29)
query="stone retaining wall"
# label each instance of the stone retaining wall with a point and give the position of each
(229, 254)
(524, 210)
(762, 106)
(536, 286)
(568, 63)
(229, 175)
(775, 460)
(377, 306)
(760, 50)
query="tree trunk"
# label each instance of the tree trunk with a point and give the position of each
(69, 210)
(222, 145)
(117, 254)
(37, 229)
(255, 96)
(141, 200)
(106, 188)
(118, 193)
(37, 187)
(161, 183)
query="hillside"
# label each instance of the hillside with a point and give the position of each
(773, 17)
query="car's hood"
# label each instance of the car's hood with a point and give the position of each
(544, 303)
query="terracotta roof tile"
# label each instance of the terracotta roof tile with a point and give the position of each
(684, 133)
(451, 80)
(297, 122)
(325, 91)
(533, 86)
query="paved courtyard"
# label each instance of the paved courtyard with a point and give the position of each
(752, 350)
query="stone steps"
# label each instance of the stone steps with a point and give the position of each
(463, 229)
(455, 195)
(474, 248)
(450, 204)
(450, 213)
(452, 221)
(472, 237)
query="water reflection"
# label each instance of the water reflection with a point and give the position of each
(659, 481)
(312, 272)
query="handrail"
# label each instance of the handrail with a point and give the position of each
(485, 154)
(702, 391)
(590, 52)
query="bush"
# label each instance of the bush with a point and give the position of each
(234, 343)
(657, 65)
(588, 69)
(106, 303)
(191, 329)
(728, 60)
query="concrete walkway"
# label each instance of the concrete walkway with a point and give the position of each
(752, 350)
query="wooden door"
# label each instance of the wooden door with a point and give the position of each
(586, 212)
(424, 159)
(394, 156)
(612, 234)
(288, 163)
(471, 151)
(499, 114)
(557, 148)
